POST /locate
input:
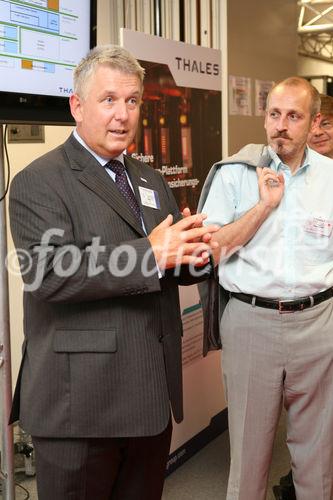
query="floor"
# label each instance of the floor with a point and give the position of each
(203, 477)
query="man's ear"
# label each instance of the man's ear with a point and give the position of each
(75, 104)
(315, 121)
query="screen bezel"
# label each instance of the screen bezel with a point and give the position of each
(42, 109)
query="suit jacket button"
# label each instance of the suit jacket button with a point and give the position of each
(160, 338)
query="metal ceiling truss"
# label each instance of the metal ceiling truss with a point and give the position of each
(315, 29)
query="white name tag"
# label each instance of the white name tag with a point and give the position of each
(149, 198)
(319, 226)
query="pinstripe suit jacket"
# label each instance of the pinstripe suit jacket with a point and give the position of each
(102, 353)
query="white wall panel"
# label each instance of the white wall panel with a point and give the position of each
(130, 14)
(116, 19)
(170, 19)
(216, 23)
(191, 23)
(205, 26)
(145, 16)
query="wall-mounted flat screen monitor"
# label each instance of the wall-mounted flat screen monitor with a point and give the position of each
(41, 42)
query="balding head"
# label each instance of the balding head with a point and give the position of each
(301, 84)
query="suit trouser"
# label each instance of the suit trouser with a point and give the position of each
(102, 468)
(270, 359)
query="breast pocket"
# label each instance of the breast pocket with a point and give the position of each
(317, 249)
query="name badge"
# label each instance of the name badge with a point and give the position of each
(149, 198)
(319, 226)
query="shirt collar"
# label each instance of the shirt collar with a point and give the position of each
(102, 161)
(277, 164)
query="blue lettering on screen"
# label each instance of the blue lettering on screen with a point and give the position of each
(34, 17)
(21, 18)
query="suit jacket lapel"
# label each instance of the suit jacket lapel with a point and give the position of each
(94, 177)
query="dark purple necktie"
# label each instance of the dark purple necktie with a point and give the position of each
(123, 185)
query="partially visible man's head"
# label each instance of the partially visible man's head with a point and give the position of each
(321, 136)
(108, 86)
(292, 108)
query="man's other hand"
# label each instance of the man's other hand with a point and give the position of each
(186, 242)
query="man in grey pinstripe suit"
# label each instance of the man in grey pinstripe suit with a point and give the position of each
(102, 351)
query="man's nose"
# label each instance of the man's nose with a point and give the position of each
(121, 112)
(317, 130)
(282, 123)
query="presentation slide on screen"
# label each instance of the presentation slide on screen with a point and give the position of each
(41, 41)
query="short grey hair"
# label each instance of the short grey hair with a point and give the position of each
(113, 56)
(297, 81)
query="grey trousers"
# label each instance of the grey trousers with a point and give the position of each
(269, 360)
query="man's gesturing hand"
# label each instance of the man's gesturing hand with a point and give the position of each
(271, 187)
(206, 238)
(181, 243)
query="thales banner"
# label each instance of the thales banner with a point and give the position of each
(180, 135)
(180, 129)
